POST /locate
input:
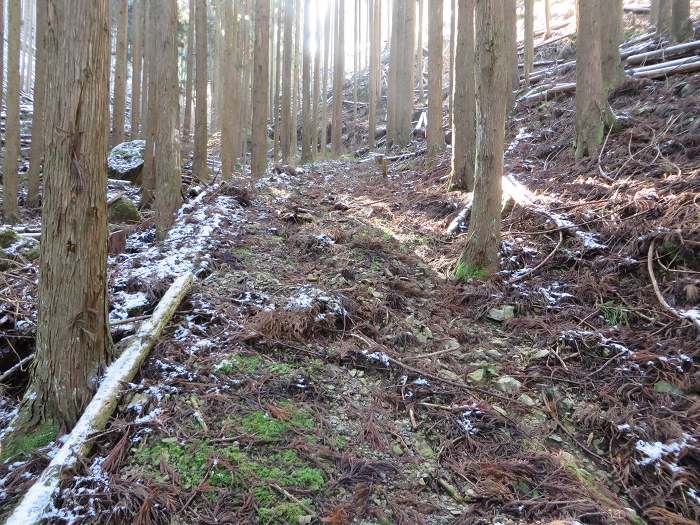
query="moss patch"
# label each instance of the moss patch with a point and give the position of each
(7, 237)
(123, 211)
(17, 444)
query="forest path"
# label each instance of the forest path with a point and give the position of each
(323, 371)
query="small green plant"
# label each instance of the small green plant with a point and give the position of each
(263, 425)
(614, 314)
(26, 443)
(464, 273)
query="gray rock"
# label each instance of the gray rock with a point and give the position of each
(502, 313)
(125, 161)
(508, 384)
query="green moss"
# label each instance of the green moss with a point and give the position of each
(20, 443)
(241, 363)
(282, 370)
(123, 211)
(285, 512)
(464, 273)
(7, 238)
(613, 314)
(263, 425)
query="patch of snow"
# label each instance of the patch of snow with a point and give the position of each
(657, 453)
(377, 356)
(466, 423)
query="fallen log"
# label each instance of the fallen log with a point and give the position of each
(663, 53)
(663, 65)
(637, 9)
(33, 505)
(690, 67)
(557, 89)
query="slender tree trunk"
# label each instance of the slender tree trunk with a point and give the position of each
(356, 73)
(464, 116)
(150, 94)
(307, 121)
(374, 69)
(137, 64)
(2, 50)
(590, 93)
(189, 81)
(326, 72)
(72, 344)
(511, 28)
(214, 65)
(419, 54)
(611, 38)
(663, 19)
(481, 252)
(36, 156)
(199, 162)
(315, 111)
(167, 156)
(653, 11)
(276, 114)
(228, 114)
(120, 73)
(258, 161)
(288, 61)
(681, 26)
(338, 80)
(394, 54)
(529, 53)
(547, 19)
(434, 134)
(404, 80)
(296, 85)
(453, 34)
(12, 131)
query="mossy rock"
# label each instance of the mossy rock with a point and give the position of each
(125, 161)
(7, 237)
(123, 211)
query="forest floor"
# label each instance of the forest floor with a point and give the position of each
(328, 368)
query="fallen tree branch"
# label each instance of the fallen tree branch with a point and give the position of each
(10, 371)
(542, 262)
(663, 53)
(688, 315)
(31, 508)
(690, 67)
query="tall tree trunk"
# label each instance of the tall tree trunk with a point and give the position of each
(681, 26)
(326, 72)
(419, 53)
(434, 134)
(464, 116)
(663, 18)
(356, 73)
(36, 155)
(296, 85)
(12, 139)
(453, 43)
(276, 114)
(288, 62)
(167, 155)
(338, 80)
(547, 19)
(214, 67)
(199, 162)
(136, 66)
(2, 50)
(189, 81)
(72, 345)
(611, 38)
(404, 81)
(394, 60)
(529, 52)
(120, 73)
(258, 161)
(510, 13)
(316, 99)
(149, 92)
(228, 113)
(591, 97)
(374, 69)
(481, 252)
(307, 121)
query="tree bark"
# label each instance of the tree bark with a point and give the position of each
(511, 29)
(136, 66)
(187, 120)
(338, 80)
(228, 114)
(307, 121)
(276, 118)
(316, 99)
(434, 134)
(464, 94)
(327, 58)
(529, 54)
(36, 155)
(200, 169)
(681, 26)
(663, 18)
(72, 344)
(167, 154)
(404, 31)
(118, 117)
(12, 131)
(374, 69)
(591, 98)
(547, 19)
(288, 61)
(419, 53)
(453, 43)
(611, 35)
(481, 252)
(150, 94)
(260, 86)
